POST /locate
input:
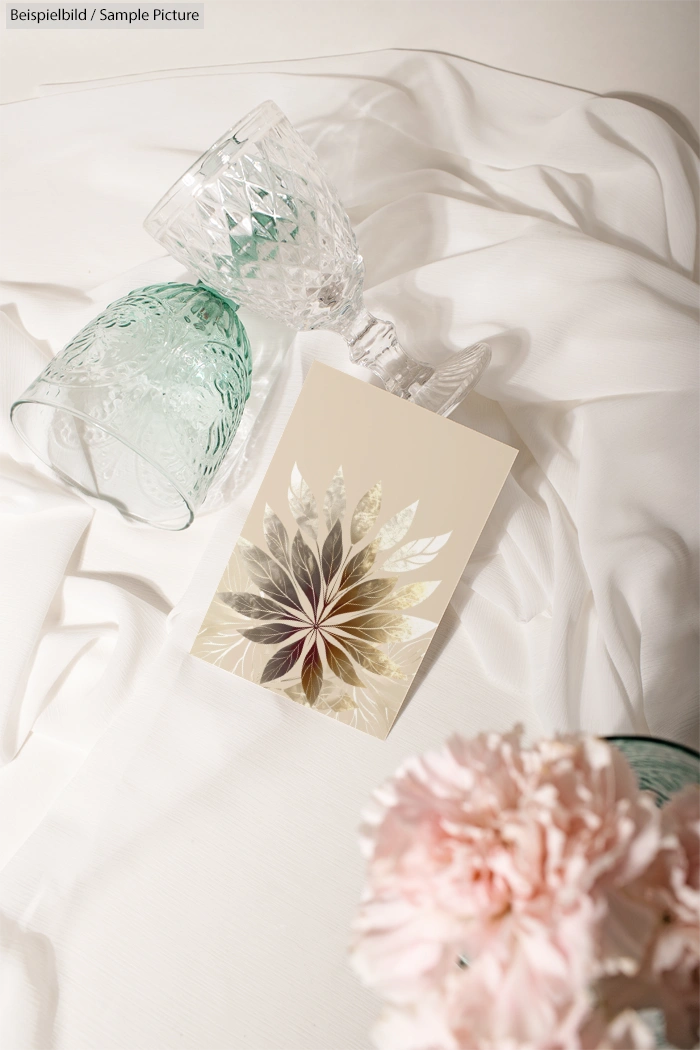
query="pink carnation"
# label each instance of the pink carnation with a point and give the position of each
(503, 857)
(670, 888)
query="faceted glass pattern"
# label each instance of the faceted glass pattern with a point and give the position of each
(142, 405)
(257, 219)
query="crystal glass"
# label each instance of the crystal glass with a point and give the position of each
(662, 766)
(257, 219)
(142, 405)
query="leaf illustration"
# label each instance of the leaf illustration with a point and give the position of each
(377, 627)
(328, 699)
(312, 674)
(366, 513)
(396, 528)
(415, 554)
(253, 605)
(334, 500)
(411, 594)
(329, 705)
(276, 536)
(363, 596)
(340, 665)
(303, 504)
(281, 662)
(272, 633)
(305, 569)
(267, 574)
(359, 565)
(332, 553)
(372, 659)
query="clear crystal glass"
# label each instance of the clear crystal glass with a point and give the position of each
(257, 219)
(142, 405)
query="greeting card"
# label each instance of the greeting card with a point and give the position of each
(362, 527)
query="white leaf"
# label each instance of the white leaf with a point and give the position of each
(303, 504)
(334, 502)
(416, 554)
(396, 528)
(411, 594)
(417, 627)
(366, 513)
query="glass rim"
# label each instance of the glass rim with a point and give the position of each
(654, 740)
(264, 116)
(22, 400)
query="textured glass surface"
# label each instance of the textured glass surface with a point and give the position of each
(257, 219)
(662, 766)
(142, 405)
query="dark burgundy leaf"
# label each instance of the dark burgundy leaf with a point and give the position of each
(272, 633)
(253, 605)
(306, 571)
(268, 575)
(281, 662)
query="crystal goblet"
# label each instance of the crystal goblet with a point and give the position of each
(257, 219)
(142, 405)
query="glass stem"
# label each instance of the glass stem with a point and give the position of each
(374, 344)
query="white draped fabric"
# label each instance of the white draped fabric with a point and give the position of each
(178, 847)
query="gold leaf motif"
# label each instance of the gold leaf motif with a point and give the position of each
(305, 569)
(276, 536)
(325, 621)
(359, 565)
(411, 594)
(372, 659)
(363, 596)
(334, 500)
(416, 554)
(340, 665)
(377, 627)
(272, 580)
(332, 553)
(366, 513)
(396, 528)
(312, 674)
(303, 504)
(281, 662)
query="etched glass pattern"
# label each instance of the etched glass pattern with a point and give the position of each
(661, 766)
(142, 405)
(257, 219)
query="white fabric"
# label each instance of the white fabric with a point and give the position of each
(180, 863)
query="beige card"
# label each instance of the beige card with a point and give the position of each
(361, 529)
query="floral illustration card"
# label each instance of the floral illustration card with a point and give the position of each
(362, 527)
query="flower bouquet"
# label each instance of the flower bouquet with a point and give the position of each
(530, 897)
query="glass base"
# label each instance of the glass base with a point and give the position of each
(373, 343)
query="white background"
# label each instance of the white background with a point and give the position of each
(631, 46)
(182, 851)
